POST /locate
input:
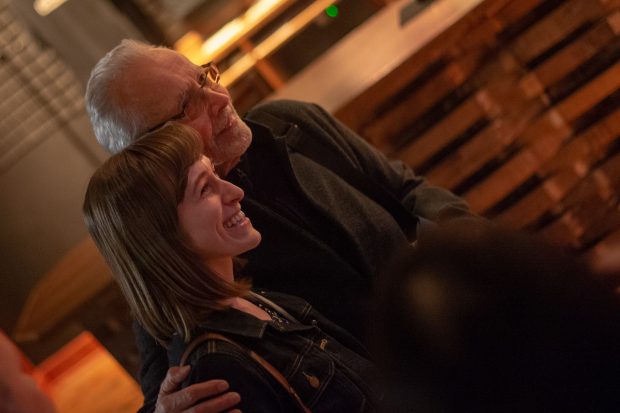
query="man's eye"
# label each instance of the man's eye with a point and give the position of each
(205, 189)
(179, 115)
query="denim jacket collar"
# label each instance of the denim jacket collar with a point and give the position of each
(233, 321)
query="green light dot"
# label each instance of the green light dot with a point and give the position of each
(332, 11)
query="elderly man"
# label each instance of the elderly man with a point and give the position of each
(331, 208)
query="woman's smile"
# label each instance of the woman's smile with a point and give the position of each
(238, 219)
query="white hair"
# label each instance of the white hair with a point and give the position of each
(115, 124)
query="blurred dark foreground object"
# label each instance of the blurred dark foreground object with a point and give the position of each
(478, 319)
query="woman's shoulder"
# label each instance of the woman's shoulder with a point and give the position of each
(259, 391)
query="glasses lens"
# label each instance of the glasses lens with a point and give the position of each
(214, 74)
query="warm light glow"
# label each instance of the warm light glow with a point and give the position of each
(45, 7)
(274, 41)
(260, 9)
(222, 37)
(189, 45)
(242, 27)
(227, 37)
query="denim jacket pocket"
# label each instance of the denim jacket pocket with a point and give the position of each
(316, 379)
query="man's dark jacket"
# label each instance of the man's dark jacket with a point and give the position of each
(323, 240)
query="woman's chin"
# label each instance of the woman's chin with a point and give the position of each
(254, 240)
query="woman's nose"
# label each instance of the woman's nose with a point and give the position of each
(231, 193)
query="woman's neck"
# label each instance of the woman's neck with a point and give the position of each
(223, 267)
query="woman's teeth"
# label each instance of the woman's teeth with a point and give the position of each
(234, 220)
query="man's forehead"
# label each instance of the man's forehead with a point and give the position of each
(168, 57)
(158, 67)
(156, 61)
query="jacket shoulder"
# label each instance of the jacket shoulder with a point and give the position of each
(260, 392)
(292, 111)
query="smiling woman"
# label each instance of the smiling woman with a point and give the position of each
(169, 229)
(211, 219)
(131, 212)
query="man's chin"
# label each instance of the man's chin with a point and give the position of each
(229, 146)
(224, 168)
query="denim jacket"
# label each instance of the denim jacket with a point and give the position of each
(327, 367)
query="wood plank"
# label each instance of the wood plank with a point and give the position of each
(590, 94)
(599, 219)
(587, 148)
(513, 173)
(444, 132)
(497, 97)
(550, 123)
(591, 209)
(565, 231)
(577, 52)
(513, 11)
(486, 145)
(559, 24)
(502, 88)
(480, 36)
(544, 198)
(473, 33)
(565, 169)
(606, 252)
(363, 57)
(382, 130)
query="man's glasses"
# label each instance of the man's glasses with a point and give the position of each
(210, 77)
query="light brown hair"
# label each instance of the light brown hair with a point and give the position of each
(130, 209)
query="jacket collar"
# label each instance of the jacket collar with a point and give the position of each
(233, 321)
(264, 124)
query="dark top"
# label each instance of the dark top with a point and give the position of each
(309, 350)
(322, 239)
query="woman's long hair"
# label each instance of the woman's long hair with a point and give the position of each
(130, 209)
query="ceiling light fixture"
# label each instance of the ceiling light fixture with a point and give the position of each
(45, 7)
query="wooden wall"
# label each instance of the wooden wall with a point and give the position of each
(515, 108)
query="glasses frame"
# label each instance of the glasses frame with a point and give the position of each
(210, 76)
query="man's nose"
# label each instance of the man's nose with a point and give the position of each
(216, 99)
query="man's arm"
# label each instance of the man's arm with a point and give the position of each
(428, 201)
(160, 385)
